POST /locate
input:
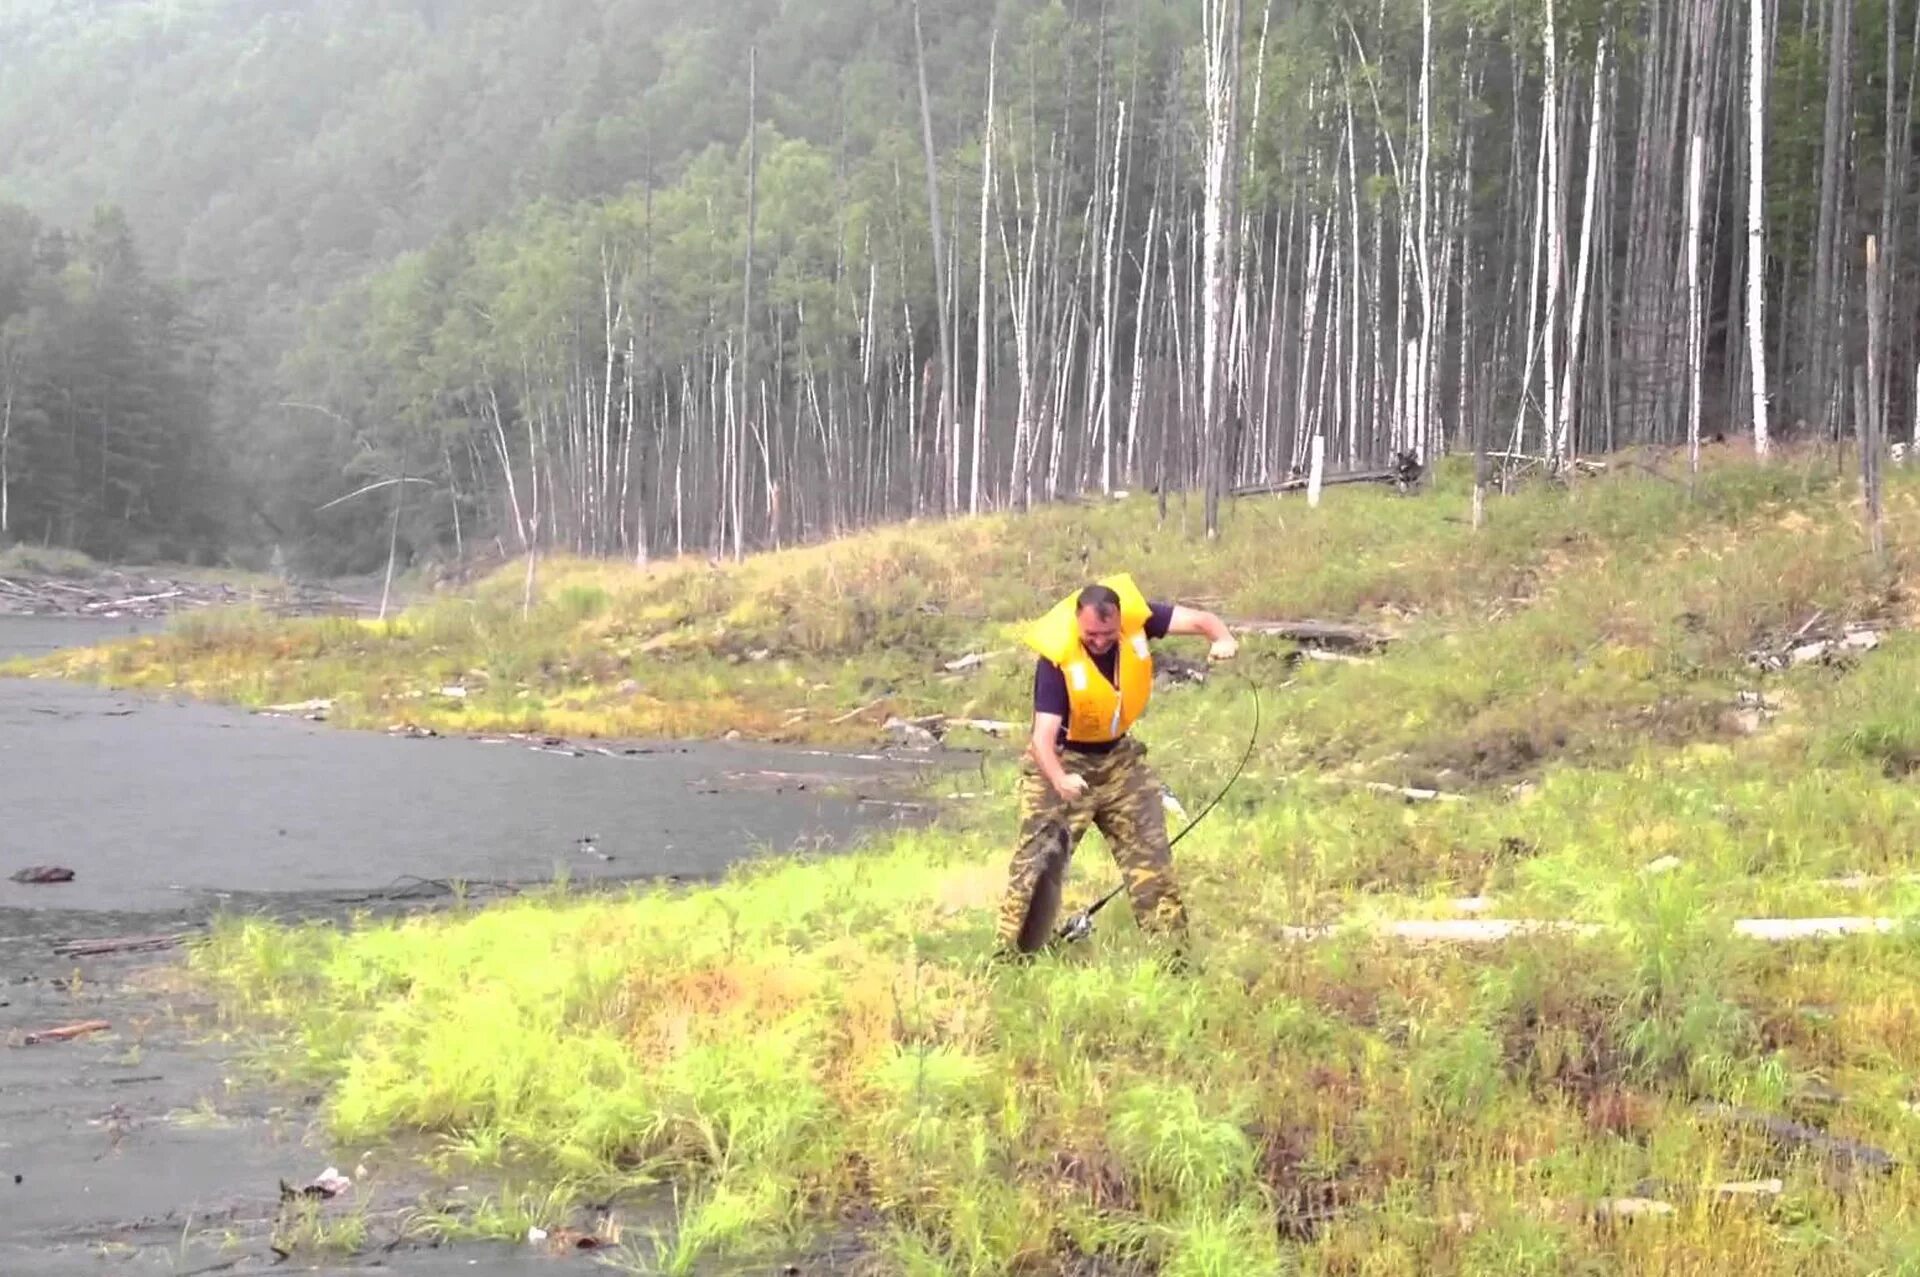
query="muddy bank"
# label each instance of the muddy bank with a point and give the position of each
(140, 1148)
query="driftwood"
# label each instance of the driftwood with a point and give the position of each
(1412, 794)
(119, 944)
(972, 661)
(852, 714)
(929, 730)
(66, 1032)
(1339, 658)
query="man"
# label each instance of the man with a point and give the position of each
(1091, 684)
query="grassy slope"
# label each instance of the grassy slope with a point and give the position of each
(821, 1041)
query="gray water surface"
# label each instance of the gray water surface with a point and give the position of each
(168, 811)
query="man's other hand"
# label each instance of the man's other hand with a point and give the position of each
(1071, 787)
(1223, 649)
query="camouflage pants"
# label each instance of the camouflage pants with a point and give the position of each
(1123, 799)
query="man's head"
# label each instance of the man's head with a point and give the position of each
(1099, 617)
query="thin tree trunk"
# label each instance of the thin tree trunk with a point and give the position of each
(1756, 223)
(947, 379)
(1821, 334)
(1696, 166)
(980, 361)
(1550, 131)
(1222, 27)
(737, 447)
(1563, 434)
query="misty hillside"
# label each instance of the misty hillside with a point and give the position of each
(464, 281)
(282, 148)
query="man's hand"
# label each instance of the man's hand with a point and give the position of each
(1046, 731)
(1190, 620)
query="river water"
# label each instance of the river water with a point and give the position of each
(168, 810)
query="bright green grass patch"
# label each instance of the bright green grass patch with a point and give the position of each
(817, 1037)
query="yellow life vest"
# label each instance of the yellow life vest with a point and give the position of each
(1099, 711)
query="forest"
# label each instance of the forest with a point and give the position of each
(647, 278)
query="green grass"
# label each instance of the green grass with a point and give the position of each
(819, 1046)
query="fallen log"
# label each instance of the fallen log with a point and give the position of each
(119, 944)
(135, 601)
(1340, 658)
(971, 661)
(1329, 481)
(1411, 793)
(66, 1032)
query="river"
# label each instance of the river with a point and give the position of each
(168, 811)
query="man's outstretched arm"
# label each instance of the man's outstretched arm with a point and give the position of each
(1046, 755)
(1192, 620)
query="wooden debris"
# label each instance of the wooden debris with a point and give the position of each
(132, 602)
(1814, 644)
(119, 944)
(990, 726)
(1403, 474)
(37, 874)
(114, 594)
(318, 705)
(1341, 658)
(1411, 793)
(66, 1032)
(852, 714)
(972, 661)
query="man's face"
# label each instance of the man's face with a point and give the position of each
(1099, 630)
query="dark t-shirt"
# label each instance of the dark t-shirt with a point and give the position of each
(1050, 682)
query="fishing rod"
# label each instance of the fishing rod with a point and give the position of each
(1080, 925)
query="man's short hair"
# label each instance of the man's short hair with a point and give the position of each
(1101, 598)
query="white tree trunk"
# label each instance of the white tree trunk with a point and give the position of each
(1563, 431)
(1696, 175)
(1423, 246)
(945, 396)
(1756, 225)
(980, 362)
(1109, 312)
(1555, 249)
(1222, 26)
